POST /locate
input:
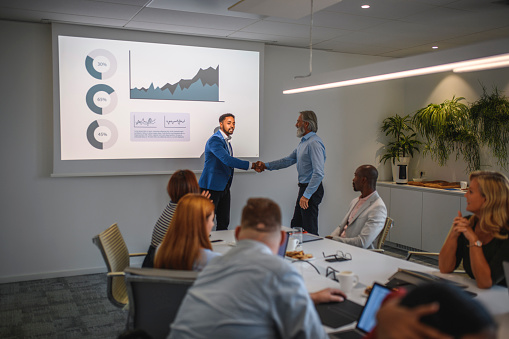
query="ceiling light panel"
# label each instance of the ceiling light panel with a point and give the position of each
(293, 9)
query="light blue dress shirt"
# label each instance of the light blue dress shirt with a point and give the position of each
(310, 158)
(248, 293)
(206, 256)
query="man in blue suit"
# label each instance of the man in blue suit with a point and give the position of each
(217, 172)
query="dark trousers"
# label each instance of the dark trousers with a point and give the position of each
(308, 218)
(221, 200)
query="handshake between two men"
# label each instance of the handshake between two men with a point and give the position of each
(259, 166)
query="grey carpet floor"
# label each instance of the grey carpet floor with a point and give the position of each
(74, 307)
(71, 307)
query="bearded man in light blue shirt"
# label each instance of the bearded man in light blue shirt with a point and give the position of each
(310, 159)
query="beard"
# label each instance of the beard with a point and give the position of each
(300, 132)
(227, 132)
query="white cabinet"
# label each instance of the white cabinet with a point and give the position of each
(439, 211)
(422, 216)
(406, 210)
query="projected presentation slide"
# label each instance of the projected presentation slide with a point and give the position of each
(135, 100)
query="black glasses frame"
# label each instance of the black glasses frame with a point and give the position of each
(331, 271)
(339, 256)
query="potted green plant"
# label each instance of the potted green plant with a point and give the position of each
(490, 115)
(447, 128)
(402, 146)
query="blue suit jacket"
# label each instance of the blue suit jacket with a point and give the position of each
(219, 164)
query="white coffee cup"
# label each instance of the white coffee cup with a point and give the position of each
(292, 244)
(463, 185)
(296, 235)
(347, 280)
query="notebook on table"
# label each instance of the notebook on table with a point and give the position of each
(410, 277)
(367, 319)
(306, 237)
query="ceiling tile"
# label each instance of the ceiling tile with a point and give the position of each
(293, 9)
(390, 27)
(150, 26)
(386, 9)
(267, 37)
(352, 47)
(461, 21)
(292, 30)
(75, 7)
(335, 20)
(422, 49)
(216, 7)
(476, 5)
(468, 39)
(164, 16)
(387, 39)
(37, 16)
(139, 3)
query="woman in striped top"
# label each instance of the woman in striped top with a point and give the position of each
(180, 183)
(186, 245)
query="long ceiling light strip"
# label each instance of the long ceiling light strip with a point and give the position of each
(456, 66)
(481, 67)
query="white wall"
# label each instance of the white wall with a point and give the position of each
(47, 223)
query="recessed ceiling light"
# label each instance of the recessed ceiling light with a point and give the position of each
(365, 6)
(435, 47)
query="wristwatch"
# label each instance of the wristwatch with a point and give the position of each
(478, 243)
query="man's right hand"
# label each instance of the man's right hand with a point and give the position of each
(259, 166)
(327, 295)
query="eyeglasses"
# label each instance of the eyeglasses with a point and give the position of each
(339, 256)
(331, 271)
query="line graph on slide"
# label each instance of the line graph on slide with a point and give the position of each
(201, 85)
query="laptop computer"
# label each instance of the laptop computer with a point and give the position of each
(505, 264)
(282, 249)
(367, 318)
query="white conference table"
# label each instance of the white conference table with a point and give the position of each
(370, 267)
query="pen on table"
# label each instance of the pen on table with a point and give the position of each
(217, 240)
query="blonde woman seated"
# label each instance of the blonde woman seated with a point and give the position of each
(186, 245)
(481, 240)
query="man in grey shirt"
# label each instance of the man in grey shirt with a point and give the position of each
(250, 292)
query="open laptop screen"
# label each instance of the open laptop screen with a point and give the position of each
(282, 248)
(506, 271)
(367, 319)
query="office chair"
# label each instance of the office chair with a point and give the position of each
(116, 256)
(383, 235)
(155, 296)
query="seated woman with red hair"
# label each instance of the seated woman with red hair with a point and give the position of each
(186, 245)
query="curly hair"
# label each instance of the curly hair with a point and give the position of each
(494, 214)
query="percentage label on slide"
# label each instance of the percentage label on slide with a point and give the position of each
(102, 134)
(101, 99)
(101, 64)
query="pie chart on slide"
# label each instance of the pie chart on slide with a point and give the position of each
(101, 99)
(102, 134)
(101, 64)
